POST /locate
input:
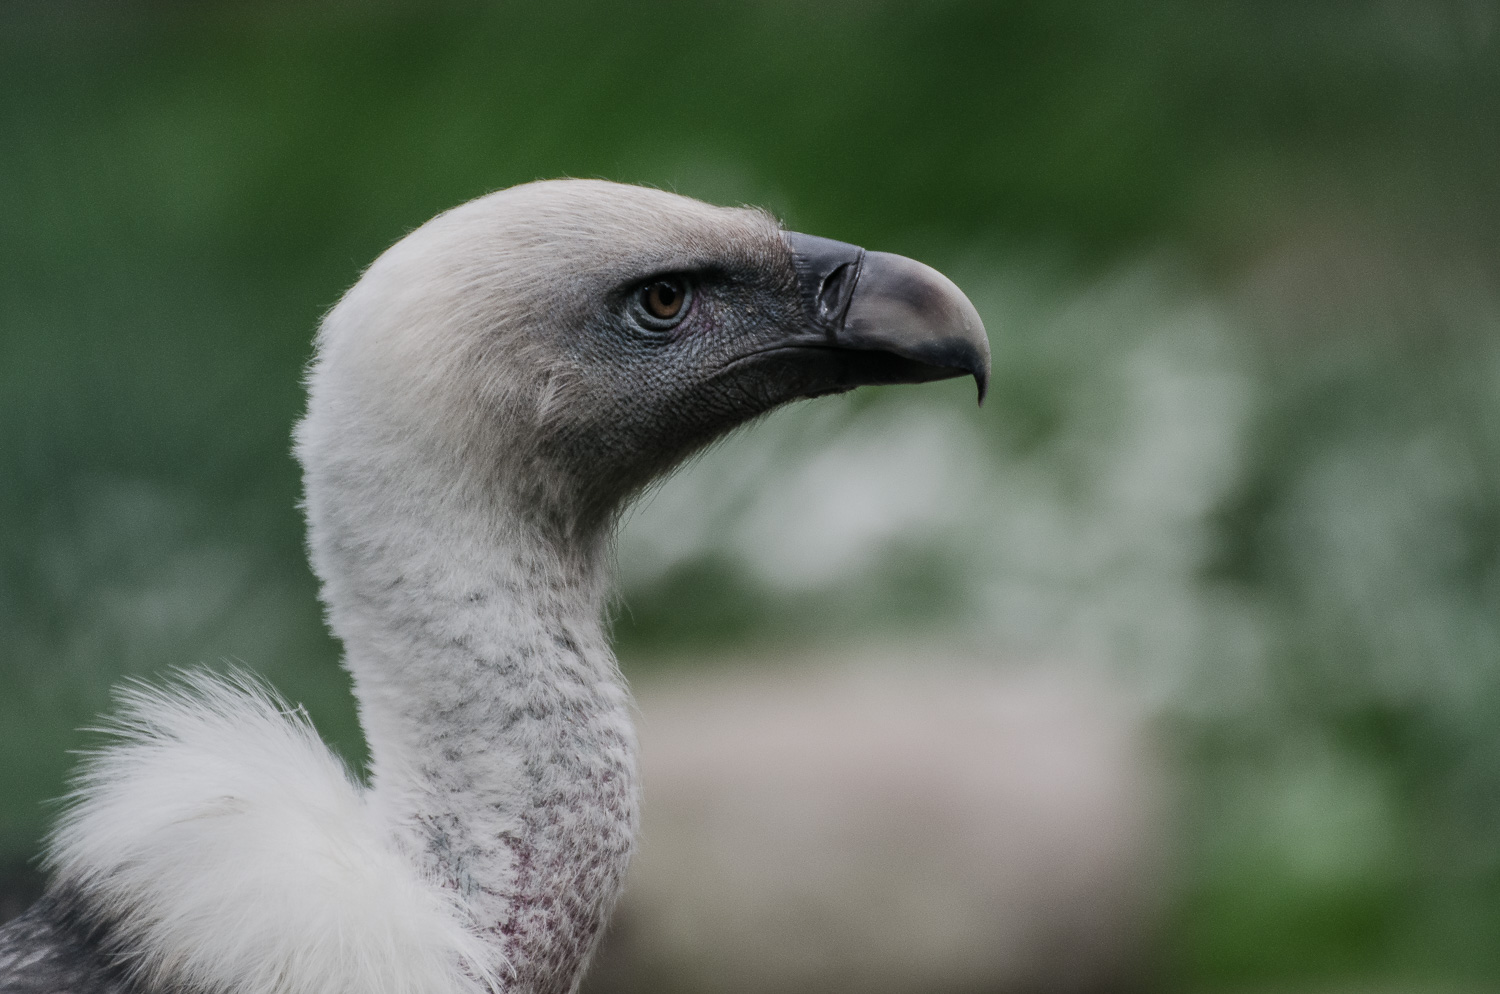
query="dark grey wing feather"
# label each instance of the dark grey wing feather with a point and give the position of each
(54, 948)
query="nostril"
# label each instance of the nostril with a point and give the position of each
(834, 294)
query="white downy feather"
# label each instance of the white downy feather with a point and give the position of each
(234, 852)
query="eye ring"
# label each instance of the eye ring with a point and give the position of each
(662, 302)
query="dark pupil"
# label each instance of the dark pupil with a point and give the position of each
(664, 299)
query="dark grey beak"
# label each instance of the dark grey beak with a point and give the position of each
(896, 320)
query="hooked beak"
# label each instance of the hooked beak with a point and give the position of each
(891, 319)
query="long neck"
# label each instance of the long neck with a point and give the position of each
(503, 756)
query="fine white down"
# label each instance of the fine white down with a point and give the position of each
(237, 853)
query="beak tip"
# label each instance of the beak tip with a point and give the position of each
(981, 361)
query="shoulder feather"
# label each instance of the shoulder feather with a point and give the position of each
(232, 851)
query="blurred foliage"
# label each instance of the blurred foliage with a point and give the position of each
(1239, 264)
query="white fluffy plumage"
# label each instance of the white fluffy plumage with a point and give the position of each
(237, 853)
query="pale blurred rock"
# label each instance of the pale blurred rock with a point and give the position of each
(927, 828)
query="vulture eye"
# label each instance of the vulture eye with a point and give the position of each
(662, 302)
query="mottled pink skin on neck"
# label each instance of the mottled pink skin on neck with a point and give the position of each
(505, 756)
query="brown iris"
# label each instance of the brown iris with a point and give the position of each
(664, 298)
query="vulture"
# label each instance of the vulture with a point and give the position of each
(482, 405)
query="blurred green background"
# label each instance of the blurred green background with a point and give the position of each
(1239, 266)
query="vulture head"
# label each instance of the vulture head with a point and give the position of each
(568, 341)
